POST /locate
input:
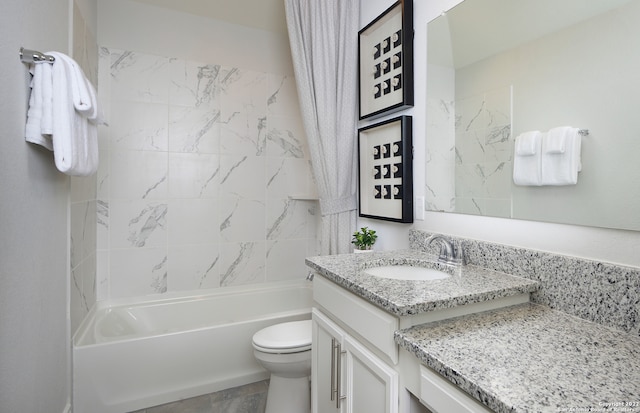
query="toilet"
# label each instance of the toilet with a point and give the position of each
(285, 351)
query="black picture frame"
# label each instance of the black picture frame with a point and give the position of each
(385, 170)
(385, 63)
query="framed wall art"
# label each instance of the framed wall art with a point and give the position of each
(385, 72)
(385, 167)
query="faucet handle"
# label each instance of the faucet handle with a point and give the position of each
(458, 256)
(444, 253)
(446, 248)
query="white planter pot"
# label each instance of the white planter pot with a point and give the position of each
(357, 251)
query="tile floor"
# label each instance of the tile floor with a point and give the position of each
(251, 398)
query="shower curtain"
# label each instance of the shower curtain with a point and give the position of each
(323, 38)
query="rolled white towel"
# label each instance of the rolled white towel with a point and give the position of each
(75, 140)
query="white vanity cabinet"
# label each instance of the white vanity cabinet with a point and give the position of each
(357, 366)
(353, 354)
(346, 376)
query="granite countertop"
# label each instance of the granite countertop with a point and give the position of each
(467, 284)
(530, 358)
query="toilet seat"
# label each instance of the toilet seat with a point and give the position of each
(284, 338)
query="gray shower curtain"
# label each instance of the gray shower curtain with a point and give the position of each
(323, 35)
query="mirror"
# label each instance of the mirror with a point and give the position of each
(499, 68)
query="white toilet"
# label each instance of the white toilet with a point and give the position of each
(285, 351)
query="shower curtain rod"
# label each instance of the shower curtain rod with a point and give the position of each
(33, 56)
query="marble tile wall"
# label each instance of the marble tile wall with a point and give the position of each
(483, 153)
(601, 292)
(469, 151)
(441, 139)
(197, 166)
(441, 161)
(83, 199)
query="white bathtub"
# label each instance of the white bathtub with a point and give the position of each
(130, 355)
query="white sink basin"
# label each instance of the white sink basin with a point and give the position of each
(407, 272)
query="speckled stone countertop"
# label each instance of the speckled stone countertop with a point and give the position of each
(467, 285)
(530, 358)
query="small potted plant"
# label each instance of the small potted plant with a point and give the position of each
(364, 239)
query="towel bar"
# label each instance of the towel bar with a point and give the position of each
(583, 132)
(32, 56)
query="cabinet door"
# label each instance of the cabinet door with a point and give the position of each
(326, 365)
(372, 386)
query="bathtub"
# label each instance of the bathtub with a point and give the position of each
(133, 354)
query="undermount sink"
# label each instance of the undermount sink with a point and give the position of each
(407, 272)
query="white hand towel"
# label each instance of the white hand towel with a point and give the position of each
(528, 143)
(39, 107)
(561, 156)
(526, 161)
(47, 100)
(75, 138)
(83, 94)
(556, 140)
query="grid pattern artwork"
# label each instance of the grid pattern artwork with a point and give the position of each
(387, 59)
(385, 170)
(385, 48)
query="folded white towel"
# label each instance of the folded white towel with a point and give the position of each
(39, 112)
(556, 140)
(526, 161)
(75, 134)
(561, 156)
(528, 143)
(47, 100)
(83, 94)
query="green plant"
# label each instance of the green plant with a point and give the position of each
(364, 239)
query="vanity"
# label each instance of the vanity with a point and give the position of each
(356, 363)
(516, 330)
(471, 341)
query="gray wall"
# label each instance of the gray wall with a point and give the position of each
(34, 286)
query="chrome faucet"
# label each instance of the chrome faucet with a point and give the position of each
(450, 253)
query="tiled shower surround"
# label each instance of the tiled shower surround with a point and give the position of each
(483, 152)
(470, 140)
(82, 251)
(196, 172)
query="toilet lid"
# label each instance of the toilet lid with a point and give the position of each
(291, 337)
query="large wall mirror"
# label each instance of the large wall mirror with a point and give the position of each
(499, 68)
